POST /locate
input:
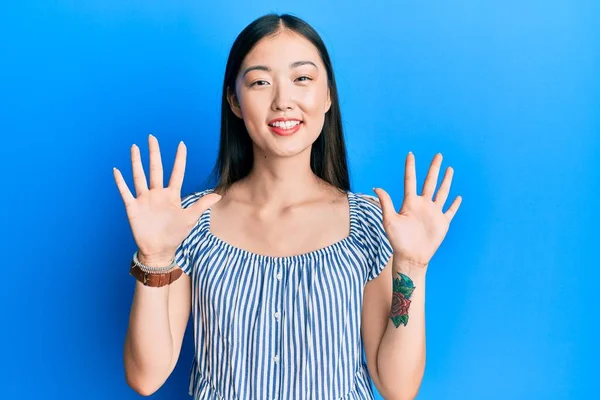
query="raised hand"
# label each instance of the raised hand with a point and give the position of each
(158, 221)
(417, 230)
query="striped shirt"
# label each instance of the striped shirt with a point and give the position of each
(270, 327)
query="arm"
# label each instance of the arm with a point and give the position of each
(394, 327)
(395, 354)
(157, 324)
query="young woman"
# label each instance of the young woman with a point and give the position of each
(288, 274)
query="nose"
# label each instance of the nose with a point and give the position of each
(283, 99)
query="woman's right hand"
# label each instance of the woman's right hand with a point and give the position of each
(158, 221)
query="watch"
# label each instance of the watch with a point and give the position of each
(154, 280)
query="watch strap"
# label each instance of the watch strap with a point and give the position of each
(155, 280)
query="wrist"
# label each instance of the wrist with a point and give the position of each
(409, 268)
(155, 260)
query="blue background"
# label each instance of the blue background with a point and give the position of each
(508, 91)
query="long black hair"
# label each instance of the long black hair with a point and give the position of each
(328, 158)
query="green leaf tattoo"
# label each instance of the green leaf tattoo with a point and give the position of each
(403, 288)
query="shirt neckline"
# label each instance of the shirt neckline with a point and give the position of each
(307, 255)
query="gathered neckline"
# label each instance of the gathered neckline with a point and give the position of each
(303, 256)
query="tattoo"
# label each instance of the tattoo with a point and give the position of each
(403, 288)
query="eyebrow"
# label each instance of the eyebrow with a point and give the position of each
(265, 68)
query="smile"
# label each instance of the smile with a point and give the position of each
(285, 128)
(285, 124)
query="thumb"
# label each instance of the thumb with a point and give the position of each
(203, 204)
(386, 202)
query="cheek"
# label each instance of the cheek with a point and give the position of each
(315, 101)
(252, 111)
(255, 112)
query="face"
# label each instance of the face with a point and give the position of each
(282, 78)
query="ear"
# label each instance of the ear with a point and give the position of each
(328, 101)
(234, 104)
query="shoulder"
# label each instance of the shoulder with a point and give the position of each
(369, 214)
(370, 198)
(371, 232)
(193, 197)
(368, 205)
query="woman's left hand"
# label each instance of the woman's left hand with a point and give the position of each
(418, 229)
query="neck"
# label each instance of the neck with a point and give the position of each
(282, 181)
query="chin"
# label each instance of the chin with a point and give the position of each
(289, 146)
(290, 152)
(289, 149)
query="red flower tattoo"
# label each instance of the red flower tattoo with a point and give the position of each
(403, 288)
(400, 305)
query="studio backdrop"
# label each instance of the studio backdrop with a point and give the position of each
(507, 91)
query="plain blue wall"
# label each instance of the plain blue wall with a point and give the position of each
(509, 92)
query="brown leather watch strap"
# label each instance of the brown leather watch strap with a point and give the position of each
(154, 280)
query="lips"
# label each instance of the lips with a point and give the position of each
(282, 130)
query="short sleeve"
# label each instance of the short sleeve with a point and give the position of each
(380, 249)
(184, 253)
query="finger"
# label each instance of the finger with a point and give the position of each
(176, 181)
(386, 202)
(442, 193)
(432, 177)
(410, 176)
(451, 212)
(156, 169)
(126, 194)
(139, 176)
(203, 204)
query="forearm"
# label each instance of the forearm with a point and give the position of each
(401, 355)
(148, 350)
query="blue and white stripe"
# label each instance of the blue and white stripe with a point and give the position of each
(282, 327)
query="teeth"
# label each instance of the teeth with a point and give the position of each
(286, 124)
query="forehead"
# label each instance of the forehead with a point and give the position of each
(282, 49)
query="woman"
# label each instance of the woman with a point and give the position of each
(288, 274)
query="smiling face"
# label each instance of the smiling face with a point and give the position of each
(282, 79)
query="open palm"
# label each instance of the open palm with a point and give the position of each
(418, 229)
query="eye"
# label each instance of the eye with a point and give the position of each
(308, 78)
(255, 83)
